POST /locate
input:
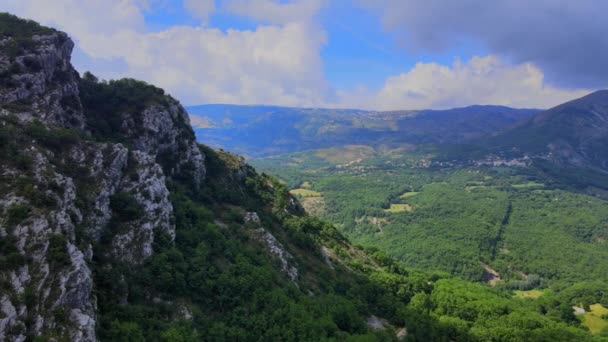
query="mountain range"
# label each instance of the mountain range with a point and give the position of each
(571, 137)
(258, 131)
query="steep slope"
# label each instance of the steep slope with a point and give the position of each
(259, 131)
(575, 132)
(567, 142)
(63, 192)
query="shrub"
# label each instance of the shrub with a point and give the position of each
(125, 207)
(13, 26)
(32, 64)
(16, 214)
(10, 258)
(56, 139)
(58, 251)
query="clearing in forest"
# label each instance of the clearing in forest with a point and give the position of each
(399, 207)
(593, 319)
(305, 193)
(533, 294)
(528, 185)
(408, 194)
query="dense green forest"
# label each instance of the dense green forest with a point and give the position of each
(512, 227)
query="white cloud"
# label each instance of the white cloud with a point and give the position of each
(200, 8)
(564, 38)
(274, 64)
(273, 11)
(271, 64)
(481, 80)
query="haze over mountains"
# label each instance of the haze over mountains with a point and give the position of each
(573, 134)
(258, 131)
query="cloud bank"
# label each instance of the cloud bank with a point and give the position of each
(566, 39)
(481, 80)
(279, 61)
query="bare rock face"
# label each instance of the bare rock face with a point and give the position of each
(41, 83)
(275, 248)
(54, 242)
(53, 280)
(60, 199)
(168, 135)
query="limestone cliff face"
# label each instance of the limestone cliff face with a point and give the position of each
(63, 192)
(40, 78)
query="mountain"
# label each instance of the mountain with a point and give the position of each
(116, 225)
(574, 133)
(258, 131)
(567, 142)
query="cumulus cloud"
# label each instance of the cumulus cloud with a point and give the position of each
(481, 80)
(200, 8)
(277, 64)
(275, 12)
(566, 39)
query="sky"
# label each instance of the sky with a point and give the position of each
(367, 54)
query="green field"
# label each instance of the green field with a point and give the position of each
(532, 294)
(593, 319)
(408, 194)
(528, 185)
(305, 193)
(399, 208)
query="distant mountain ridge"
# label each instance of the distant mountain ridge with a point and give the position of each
(258, 131)
(571, 139)
(575, 132)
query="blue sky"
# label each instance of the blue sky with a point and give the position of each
(371, 54)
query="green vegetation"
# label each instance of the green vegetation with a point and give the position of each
(20, 33)
(408, 194)
(528, 185)
(10, 258)
(596, 319)
(15, 27)
(58, 251)
(233, 290)
(125, 207)
(516, 220)
(399, 208)
(16, 214)
(521, 222)
(305, 193)
(105, 104)
(532, 294)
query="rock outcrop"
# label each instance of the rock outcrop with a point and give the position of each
(62, 194)
(39, 79)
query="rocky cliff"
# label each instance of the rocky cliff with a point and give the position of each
(66, 188)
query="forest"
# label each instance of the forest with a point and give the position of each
(514, 230)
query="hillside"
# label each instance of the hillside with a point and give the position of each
(258, 131)
(572, 137)
(116, 225)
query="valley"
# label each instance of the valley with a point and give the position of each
(515, 219)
